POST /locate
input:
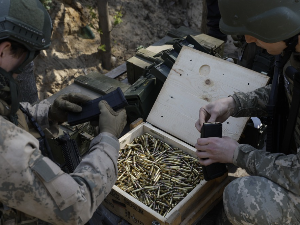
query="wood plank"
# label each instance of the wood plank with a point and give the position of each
(160, 45)
(135, 123)
(118, 71)
(195, 80)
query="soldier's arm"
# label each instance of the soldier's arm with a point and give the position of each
(39, 112)
(33, 184)
(277, 167)
(252, 103)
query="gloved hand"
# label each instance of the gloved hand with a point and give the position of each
(111, 121)
(58, 111)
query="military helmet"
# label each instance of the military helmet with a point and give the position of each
(270, 21)
(26, 22)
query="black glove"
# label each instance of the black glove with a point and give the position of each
(63, 104)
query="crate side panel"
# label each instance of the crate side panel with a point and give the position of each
(128, 137)
(130, 209)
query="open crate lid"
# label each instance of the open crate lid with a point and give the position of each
(195, 80)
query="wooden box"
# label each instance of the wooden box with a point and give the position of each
(135, 212)
(195, 79)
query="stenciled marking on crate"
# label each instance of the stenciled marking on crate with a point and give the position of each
(109, 203)
(133, 218)
(119, 203)
(134, 206)
(122, 142)
(115, 194)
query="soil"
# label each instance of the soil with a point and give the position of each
(72, 53)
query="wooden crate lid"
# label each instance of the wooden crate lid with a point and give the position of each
(195, 80)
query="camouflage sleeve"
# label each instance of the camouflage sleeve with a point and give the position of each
(39, 112)
(252, 103)
(33, 184)
(277, 167)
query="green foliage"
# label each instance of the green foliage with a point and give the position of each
(47, 4)
(93, 19)
(139, 48)
(92, 16)
(117, 18)
(102, 48)
(100, 31)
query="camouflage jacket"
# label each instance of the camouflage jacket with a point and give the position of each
(281, 169)
(34, 185)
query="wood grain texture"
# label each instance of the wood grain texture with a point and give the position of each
(195, 80)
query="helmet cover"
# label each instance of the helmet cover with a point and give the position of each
(27, 22)
(270, 21)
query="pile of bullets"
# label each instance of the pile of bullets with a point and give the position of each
(157, 174)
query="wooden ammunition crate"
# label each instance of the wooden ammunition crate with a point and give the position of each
(195, 79)
(203, 196)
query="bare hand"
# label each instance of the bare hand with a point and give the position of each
(217, 111)
(214, 149)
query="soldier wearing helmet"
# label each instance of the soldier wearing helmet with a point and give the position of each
(33, 189)
(271, 194)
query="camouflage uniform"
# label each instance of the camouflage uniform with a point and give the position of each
(272, 194)
(29, 182)
(32, 185)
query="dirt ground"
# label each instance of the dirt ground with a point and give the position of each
(73, 54)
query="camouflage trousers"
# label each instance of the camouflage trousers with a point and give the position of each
(257, 200)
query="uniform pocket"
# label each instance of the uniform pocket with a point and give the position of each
(61, 186)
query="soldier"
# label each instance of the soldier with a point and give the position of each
(271, 195)
(213, 19)
(33, 189)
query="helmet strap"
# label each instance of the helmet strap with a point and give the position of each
(291, 46)
(30, 56)
(291, 40)
(14, 96)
